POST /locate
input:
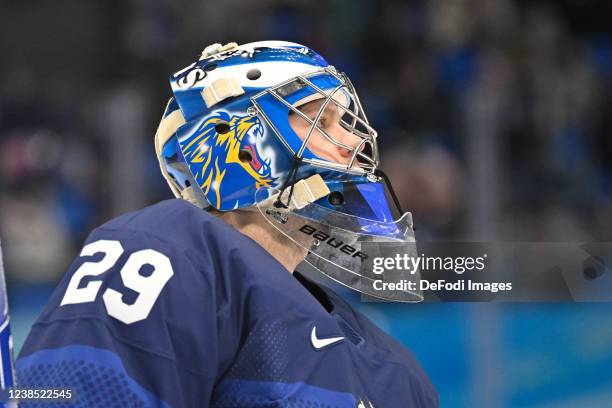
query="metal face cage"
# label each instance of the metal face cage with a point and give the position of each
(364, 156)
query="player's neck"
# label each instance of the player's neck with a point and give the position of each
(254, 226)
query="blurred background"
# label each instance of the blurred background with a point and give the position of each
(495, 123)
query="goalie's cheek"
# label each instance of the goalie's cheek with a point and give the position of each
(325, 149)
(320, 145)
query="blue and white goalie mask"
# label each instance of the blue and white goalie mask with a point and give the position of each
(272, 127)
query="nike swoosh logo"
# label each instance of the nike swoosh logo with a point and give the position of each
(320, 343)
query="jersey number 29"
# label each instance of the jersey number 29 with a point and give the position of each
(148, 287)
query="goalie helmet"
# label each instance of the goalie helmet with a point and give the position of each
(228, 141)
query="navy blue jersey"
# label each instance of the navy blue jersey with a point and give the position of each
(171, 307)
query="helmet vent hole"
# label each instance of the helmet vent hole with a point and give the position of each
(245, 156)
(222, 127)
(187, 183)
(335, 198)
(210, 67)
(253, 74)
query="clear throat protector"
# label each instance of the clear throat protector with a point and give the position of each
(344, 247)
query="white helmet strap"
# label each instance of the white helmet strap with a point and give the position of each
(166, 129)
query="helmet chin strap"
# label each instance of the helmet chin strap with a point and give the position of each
(289, 182)
(302, 193)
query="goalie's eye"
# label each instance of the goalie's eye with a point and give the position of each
(323, 122)
(325, 119)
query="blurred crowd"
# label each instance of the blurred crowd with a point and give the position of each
(494, 116)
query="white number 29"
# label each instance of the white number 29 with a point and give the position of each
(148, 287)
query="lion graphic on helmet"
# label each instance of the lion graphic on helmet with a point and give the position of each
(222, 141)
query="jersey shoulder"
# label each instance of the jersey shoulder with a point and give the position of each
(186, 232)
(212, 246)
(180, 231)
(140, 270)
(174, 253)
(146, 279)
(136, 308)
